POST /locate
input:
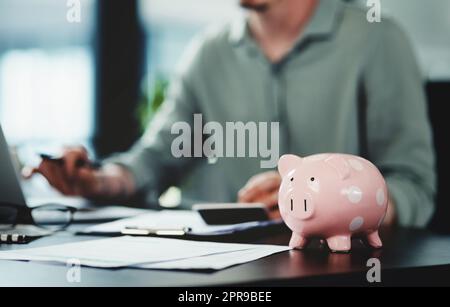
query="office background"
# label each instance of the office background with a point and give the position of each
(84, 82)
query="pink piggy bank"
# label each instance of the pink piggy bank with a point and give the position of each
(331, 196)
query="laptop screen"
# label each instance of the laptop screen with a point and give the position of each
(10, 190)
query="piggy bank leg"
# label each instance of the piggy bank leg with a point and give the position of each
(339, 243)
(297, 241)
(374, 240)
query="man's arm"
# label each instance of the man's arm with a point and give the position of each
(399, 136)
(151, 162)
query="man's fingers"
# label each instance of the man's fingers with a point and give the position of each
(71, 158)
(55, 176)
(69, 177)
(275, 215)
(263, 181)
(57, 179)
(85, 182)
(259, 185)
(271, 202)
(268, 199)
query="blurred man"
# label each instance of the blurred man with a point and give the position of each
(334, 82)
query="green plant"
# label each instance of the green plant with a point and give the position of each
(151, 100)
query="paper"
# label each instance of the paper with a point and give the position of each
(217, 261)
(87, 210)
(105, 214)
(134, 251)
(173, 219)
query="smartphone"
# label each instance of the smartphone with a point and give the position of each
(231, 213)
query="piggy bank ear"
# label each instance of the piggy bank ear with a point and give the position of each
(288, 163)
(340, 165)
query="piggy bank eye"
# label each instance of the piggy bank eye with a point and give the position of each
(292, 179)
(312, 179)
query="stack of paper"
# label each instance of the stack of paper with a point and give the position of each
(147, 253)
(217, 261)
(87, 210)
(168, 219)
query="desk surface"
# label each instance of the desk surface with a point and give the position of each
(409, 257)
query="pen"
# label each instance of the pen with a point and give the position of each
(142, 231)
(79, 163)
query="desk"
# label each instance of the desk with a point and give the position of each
(409, 257)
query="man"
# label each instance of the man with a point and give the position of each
(334, 81)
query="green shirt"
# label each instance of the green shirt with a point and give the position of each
(347, 86)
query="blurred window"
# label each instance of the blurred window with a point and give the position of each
(46, 71)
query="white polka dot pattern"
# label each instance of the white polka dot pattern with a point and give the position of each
(380, 197)
(354, 194)
(356, 223)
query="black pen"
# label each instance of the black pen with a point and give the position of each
(79, 163)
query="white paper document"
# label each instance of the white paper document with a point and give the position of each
(174, 219)
(146, 252)
(216, 261)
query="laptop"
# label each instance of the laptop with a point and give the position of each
(10, 189)
(11, 193)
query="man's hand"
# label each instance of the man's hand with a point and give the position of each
(68, 177)
(263, 188)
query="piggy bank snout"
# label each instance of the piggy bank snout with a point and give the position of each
(299, 205)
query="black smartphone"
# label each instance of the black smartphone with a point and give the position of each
(231, 213)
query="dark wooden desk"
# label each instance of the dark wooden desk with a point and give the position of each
(409, 257)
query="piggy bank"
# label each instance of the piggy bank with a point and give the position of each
(333, 197)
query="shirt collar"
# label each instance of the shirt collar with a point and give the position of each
(238, 31)
(322, 23)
